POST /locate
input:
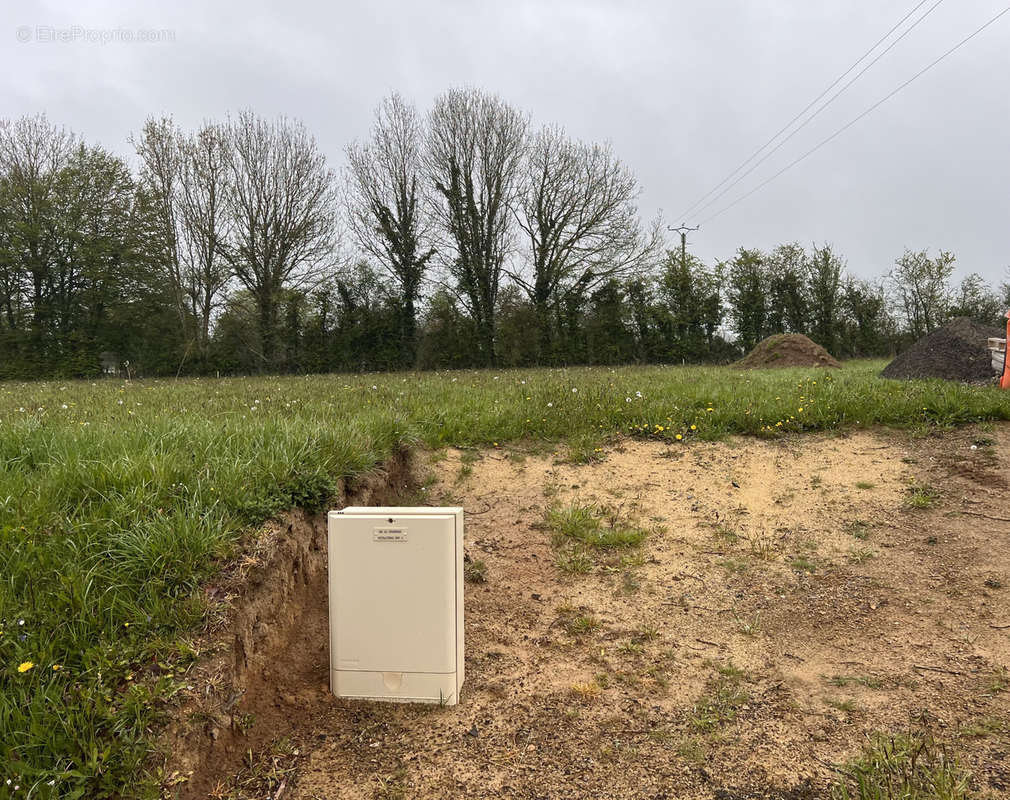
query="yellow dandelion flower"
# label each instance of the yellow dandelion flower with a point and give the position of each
(800, 408)
(57, 667)
(679, 437)
(694, 427)
(24, 666)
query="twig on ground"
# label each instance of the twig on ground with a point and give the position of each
(936, 669)
(1000, 627)
(713, 610)
(829, 765)
(984, 516)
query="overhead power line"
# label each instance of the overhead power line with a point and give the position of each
(828, 102)
(869, 110)
(810, 105)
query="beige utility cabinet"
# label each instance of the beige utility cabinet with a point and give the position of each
(396, 603)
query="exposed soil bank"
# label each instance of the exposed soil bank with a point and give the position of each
(267, 651)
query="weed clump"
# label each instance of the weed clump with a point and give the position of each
(593, 526)
(921, 495)
(475, 571)
(582, 533)
(911, 766)
(724, 696)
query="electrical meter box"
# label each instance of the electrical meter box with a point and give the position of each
(396, 603)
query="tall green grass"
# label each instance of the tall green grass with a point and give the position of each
(909, 766)
(117, 500)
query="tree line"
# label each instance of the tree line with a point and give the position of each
(461, 237)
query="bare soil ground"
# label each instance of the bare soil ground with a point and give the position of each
(791, 598)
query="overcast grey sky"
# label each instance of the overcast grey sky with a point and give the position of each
(684, 90)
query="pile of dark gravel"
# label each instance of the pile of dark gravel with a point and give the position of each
(956, 352)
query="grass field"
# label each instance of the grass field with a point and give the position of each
(118, 499)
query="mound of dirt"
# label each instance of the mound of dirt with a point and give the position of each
(955, 352)
(787, 350)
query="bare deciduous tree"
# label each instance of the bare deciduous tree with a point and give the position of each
(203, 213)
(386, 205)
(473, 159)
(282, 203)
(185, 177)
(158, 148)
(580, 216)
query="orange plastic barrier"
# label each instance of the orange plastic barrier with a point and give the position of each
(1004, 382)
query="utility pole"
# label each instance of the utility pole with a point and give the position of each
(683, 231)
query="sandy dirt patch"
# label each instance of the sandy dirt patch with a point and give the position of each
(789, 599)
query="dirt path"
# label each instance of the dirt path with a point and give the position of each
(789, 600)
